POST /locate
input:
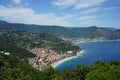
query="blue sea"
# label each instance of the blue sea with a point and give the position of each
(94, 51)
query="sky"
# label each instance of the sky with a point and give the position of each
(68, 13)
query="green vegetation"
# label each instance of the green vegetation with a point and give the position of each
(18, 42)
(29, 41)
(15, 51)
(98, 71)
(12, 68)
(104, 71)
(64, 32)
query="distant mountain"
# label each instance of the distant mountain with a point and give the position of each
(3, 22)
(110, 28)
(64, 32)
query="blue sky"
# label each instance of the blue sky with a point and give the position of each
(69, 13)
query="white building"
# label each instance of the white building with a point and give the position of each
(7, 53)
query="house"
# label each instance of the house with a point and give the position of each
(6, 53)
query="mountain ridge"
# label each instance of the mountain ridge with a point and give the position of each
(64, 32)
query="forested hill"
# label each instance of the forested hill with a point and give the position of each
(63, 32)
(30, 41)
(13, 69)
(15, 51)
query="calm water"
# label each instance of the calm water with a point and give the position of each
(107, 50)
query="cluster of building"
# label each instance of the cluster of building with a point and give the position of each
(78, 40)
(45, 57)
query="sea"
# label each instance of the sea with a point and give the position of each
(94, 51)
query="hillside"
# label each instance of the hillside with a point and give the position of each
(15, 50)
(30, 41)
(64, 32)
(41, 50)
(12, 68)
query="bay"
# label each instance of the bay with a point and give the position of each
(94, 51)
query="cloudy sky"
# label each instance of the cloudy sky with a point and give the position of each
(69, 13)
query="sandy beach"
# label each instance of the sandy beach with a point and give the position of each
(55, 64)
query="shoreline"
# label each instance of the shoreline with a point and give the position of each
(57, 63)
(93, 41)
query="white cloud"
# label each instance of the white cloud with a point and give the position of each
(64, 3)
(17, 1)
(88, 3)
(88, 23)
(91, 10)
(28, 16)
(84, 18)
(77, 4)
(110, 8)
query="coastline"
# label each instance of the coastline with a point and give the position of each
(93, 41)
(57, 63)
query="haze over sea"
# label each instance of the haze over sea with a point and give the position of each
(94, 51)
